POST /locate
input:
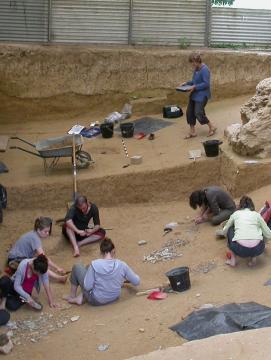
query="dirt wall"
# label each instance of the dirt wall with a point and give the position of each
(36, 71)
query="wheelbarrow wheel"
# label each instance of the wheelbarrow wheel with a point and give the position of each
(83, 159)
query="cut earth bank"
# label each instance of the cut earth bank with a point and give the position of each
(136, 202)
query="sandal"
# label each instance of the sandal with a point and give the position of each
(212, 132)
(189, 136)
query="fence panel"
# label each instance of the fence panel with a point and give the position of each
(24, 20)
(171, 22)
(86, 21)
(240, 26)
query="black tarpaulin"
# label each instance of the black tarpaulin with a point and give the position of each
(223, 320)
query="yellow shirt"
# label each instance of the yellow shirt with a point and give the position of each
(248, 225)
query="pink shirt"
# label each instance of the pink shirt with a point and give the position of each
(29, 282)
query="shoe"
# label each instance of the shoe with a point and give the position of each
(189, 136)
(212, 132)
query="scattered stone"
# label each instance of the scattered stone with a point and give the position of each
(205, 267)
(33, 340)
(65, 322)
(141, 330)
(12, 325)
(142, 242)
(198, 295)
(103, 347)
(168, 252)
(5, 344)
(10, 333)
(75, 318)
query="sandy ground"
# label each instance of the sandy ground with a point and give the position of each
(118, 324)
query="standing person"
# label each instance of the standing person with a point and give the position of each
(31, 273)
(215, 204)
(200, 93)
(100, 283)
(246, 231)
(29, 246)
(76, 228)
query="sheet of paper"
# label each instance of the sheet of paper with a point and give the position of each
(76, 129)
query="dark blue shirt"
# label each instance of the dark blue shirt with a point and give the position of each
(201, 78)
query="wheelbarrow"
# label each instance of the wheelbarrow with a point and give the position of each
(52, 149)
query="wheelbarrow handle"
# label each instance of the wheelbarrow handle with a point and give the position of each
(26, 142)
(29, 152)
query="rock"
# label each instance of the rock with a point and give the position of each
(206, 306)
(12, 325)
(10, 333)
(252, 138)
(141, 330)
(75, 318)
(5, 344)
(198, 295)
(142, 242)
(103, 347)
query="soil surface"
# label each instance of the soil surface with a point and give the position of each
(136, 209)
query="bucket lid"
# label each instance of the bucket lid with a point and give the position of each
(212, 142)
(177, 271)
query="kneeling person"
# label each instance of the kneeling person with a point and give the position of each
(101, 282)
(77, 221)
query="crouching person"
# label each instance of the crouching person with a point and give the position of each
(247, 232)
(101, 282)
(16, 291)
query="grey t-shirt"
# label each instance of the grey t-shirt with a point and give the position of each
(26, 246)
(218, 199)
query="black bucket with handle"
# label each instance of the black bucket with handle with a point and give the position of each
(107, 130)
(211, 147)
(179, 278)
(127, 129)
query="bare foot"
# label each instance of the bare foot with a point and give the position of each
(231, 262)
(67, 297)
(252, 262)
(78, 300)
(76, 252)
(63, 279)
(212, 132)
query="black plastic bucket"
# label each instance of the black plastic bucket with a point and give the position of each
(107, 130)
(127, 130)
(179, 278)
(211, 147)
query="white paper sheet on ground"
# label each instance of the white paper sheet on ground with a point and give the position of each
(76, 129)
(193, 154)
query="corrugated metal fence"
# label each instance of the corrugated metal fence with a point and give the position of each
(149, 22)
(240, 26)
(24, 20)
(87, 21)
(160, 22)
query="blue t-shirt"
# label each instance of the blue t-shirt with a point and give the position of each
(201, 78)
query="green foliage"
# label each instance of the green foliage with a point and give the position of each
(222, 2)
(229, 46)
(184, 43)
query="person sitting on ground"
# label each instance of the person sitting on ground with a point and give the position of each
(246, 231)
(101, 282)
(17, 290)
(215, 203)
(76, 228)
(29, 246)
